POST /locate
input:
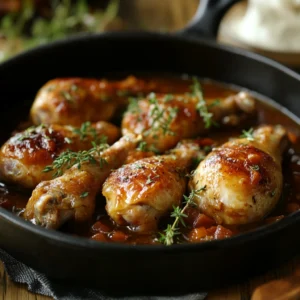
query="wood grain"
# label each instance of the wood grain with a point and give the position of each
(167, 15)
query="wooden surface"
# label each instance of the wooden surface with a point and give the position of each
(170, 15)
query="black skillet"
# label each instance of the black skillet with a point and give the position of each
(123, 268)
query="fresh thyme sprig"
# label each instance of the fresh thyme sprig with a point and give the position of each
(161, 118)
(255, 167)
(30, 131)
(88, 131)
(69, 158)
(144, 147)
(27, 133)
(248, 134)
(66, 95)
(172, 230)
(201, 105)
(133, 105)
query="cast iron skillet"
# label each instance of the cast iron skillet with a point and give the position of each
(151, 269)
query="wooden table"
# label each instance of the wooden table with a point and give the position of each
(166, 15)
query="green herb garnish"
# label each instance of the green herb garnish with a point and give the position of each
(172, 230)
(255, 167)
(201, 105)
(87, 131)
(84, 194)
(161, 118)
(133, 105)
(248, 134)
(68, 159)
(67, 96)
(151, 180)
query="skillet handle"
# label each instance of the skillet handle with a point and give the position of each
(208, 17)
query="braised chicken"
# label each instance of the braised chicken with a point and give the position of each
(242, 179)
(138, 194)
(72, 195)
(25, 155)
(72, 101)
(164, 119)
(154, 188)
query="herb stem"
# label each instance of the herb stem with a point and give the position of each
(178, 213)
(201, 105)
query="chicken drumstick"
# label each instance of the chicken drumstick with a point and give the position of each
(242, 178)
(72, 195)
(24, 156)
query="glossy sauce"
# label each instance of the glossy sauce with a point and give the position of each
(199, 226)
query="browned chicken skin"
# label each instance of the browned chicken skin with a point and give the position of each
(242, 178)
(164, 120)
(72, 195)
(138, 194)
(25, 155)
(72, 101)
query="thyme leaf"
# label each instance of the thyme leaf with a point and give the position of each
(255, 167)
(87, 131)
(248, 134)
(161, 118)
(144, 147)
(67, 96)
(151, 180)
(172, 230)
(201, 105)
(84, 194)
(68, 159)
(133, 106)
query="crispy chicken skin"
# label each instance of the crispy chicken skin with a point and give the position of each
(25, 155)
(72, 101)
(72, 195)
(242, 178)
(138, 194)
(182, 116)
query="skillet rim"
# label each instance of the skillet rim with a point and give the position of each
(92, 244)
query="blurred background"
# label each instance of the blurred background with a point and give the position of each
(27, 23)
(270, 27)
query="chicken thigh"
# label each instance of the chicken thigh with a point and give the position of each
(164, 120)
(24, 156)
(72, 195)
(138, 194)
(242, 179)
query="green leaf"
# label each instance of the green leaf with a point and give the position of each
(84, 194)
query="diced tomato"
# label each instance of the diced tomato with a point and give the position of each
(192, 215)
(101, 227)
(222, 233)
(203, 220)
(293, 206)
(292, 137)
(211, 231)
(274, 219)
(196, 234)
(118, 236)
(99, 237)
